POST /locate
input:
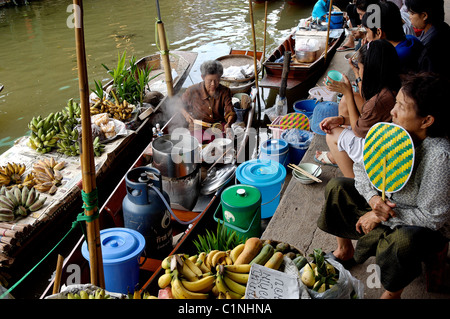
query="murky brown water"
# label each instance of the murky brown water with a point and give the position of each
(37, 48)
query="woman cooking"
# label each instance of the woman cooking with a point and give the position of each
(413, 223)
(208, 102)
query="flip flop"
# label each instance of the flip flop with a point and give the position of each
(323, 159)
(345, 48)
(347, 264)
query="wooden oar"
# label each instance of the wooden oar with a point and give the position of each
(300, 170)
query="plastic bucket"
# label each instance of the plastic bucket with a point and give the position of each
(299, 141)
(266, 175)
(121, 250)
(275, 149)
(305, 106)
(253, 230)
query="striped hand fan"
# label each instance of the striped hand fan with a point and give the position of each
(388, 157)
(295, 120)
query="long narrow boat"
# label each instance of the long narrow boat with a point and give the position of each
(298, 72)
(118, 159)
(111, 215)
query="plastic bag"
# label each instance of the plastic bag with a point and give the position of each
(280, 108)
(347, 287)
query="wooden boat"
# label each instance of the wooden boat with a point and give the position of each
(119, 160)
(298, 72)
(111, 215)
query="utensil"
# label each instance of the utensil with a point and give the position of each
(298, 169)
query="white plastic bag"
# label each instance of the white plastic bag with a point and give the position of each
(347, 286)
(279, 108)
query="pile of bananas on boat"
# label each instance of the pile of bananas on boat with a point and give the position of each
(47, 175)
(12, 174)
(16, 202)
(57, 131)
(221, 274)
(118, 110)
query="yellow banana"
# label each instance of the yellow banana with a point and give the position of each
(187, 273)
(228, 260)
(244, 268)
(234, 286)
(164, 280)
(166, 262)
(209, 258)
(224, 289)
(216, 257)
(202, 285)
(179, 292)
(201, 262)
(236, 251)
(240, 278)
(221, 296)
(193, 267)
(193, 258)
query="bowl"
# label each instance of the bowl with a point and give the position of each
(310, 168)
(355, 58)
(304, 56)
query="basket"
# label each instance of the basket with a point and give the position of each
(238, 60)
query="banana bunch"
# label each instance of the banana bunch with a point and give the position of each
(319, 275)
(137, 295)
(11, 175)
(231, 281)
(47, 175)
(18, 202)
(68, 143)
(86, 294)
(43, 135)
(119, 111)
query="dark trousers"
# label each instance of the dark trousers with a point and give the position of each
(399, 251)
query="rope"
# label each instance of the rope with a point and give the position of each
(90, 203)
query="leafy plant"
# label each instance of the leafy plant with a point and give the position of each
(98, 89)
(129, 82)
(222, 240)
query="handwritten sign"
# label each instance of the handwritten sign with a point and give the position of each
(266, 283)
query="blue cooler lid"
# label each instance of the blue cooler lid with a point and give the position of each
(274, 146)
(118, 244)
(260, 172)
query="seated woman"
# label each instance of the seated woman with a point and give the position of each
(380, 84)
(408, 47)
(321, 9)
(412, 223)
(428, 15)
(209, 102)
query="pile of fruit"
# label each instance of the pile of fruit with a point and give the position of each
(319, 275)
(221, 274)
(12, 174)
(16, 202)
(57, 131)
(120, 111)
(47, 175)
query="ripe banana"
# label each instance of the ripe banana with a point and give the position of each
(187, 273)
(243, 268)
(224, 289)
(165, 264)
(201, 262)
(209, 258)
(203, 285)
(164, 280)
(193, 267)
(240, 278)
(216, 258)
(236, 251)
(234, 286)
(180, 292)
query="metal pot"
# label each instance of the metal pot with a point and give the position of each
(304, 56)
(175, 156)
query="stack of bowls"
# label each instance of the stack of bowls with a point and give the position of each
(311, 168)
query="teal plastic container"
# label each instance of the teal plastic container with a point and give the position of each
(266, 175)
(275, 149)
(121, 250)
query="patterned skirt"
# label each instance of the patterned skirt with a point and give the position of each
(399, 251)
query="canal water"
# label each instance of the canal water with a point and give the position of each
(38, 66)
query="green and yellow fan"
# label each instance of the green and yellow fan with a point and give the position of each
(295, 120)
(388, 157)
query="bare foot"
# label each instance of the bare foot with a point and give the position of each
(391, 295)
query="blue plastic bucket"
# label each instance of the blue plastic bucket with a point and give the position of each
(275, 149)
(337, 20)
(121, 249)
(266, 175)
(299, 141)
(305, 107)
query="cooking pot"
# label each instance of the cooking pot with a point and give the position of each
(176, 156)
(306, 56)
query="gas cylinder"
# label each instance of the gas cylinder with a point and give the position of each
(144, 210)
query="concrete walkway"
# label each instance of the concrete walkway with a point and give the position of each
(295, 220)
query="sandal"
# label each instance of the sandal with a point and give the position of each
(345, 48)
(323, 159)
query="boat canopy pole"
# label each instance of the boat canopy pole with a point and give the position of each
(255, 58)
(164, 52)
(87, 156)
(328, 31)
